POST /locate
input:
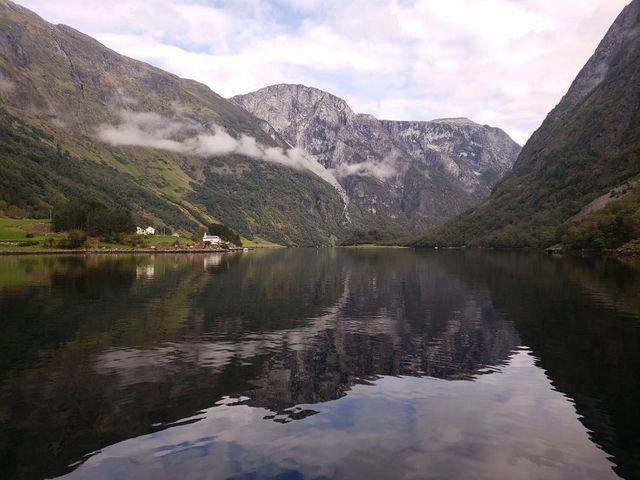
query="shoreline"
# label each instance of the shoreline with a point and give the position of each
(617, 253)
(117, 251)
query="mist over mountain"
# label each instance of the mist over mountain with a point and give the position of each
(305, 170)
(79, 120)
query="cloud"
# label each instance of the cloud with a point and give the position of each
(382, 169)
(176, 134)
(6, 85)
(502, 62)
(186, 136)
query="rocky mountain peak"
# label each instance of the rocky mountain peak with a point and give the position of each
(453, 162)
(292, 109)
(456, 121)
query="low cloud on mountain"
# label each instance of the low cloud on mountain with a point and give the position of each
(149, 129)
(6, 85)
(381, 169)
(186, 136)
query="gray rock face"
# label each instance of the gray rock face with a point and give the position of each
(476, 155)
(305, 117)
(396, 174)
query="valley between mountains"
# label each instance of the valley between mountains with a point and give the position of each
(288, 164)
(296, 166)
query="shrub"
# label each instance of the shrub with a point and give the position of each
(49, 242)
(28, 243)
(361, 237)
(74, 239)
(225, 233)
(611, 227)
(14, 212)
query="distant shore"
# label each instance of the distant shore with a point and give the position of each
(116, 251)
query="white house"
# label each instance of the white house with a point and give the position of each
(145, 231)
(211, 239)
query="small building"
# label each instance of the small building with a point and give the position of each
(145, 231)
(211, 239)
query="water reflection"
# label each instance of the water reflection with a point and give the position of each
(145, 271)
(210, 262)
(396, 427)
(318, 364)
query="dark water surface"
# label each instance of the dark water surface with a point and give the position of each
(318, 364)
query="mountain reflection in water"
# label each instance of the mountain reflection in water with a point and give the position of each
(319, 364)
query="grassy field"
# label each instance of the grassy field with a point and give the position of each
(22, 230)
(36, 234)
(148, 241)
(31, 234)
(259, 243)
(165, 240)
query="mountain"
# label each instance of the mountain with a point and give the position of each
(288, 164)
(476, 155)
(566, 184)
(79, 120)
(407, 175)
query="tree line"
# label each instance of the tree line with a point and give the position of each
(225, 233)
(91, 217)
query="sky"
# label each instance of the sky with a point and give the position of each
(505, 63)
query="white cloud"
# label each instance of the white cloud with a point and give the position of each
(502, 62)
(6, 85)
(382, 169)
(182, 135)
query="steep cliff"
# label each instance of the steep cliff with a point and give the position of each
(588, 145)
(402, 174)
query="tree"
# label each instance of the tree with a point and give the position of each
(225, 233)
(92, 217)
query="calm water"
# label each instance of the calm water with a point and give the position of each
(295, 364)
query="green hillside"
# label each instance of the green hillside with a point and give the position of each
(61, 92)
(611, 227)
(36, 176)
